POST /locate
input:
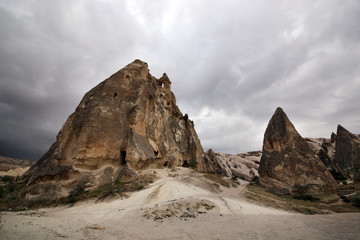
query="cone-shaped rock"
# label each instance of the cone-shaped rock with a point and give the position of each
(127, 123)
(347, 153)
(288, 165)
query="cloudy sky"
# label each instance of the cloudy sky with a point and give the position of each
(231, 64)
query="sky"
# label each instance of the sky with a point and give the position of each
(231, 63)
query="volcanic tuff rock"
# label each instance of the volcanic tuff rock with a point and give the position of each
(347, 155)
(288, 165)
(325, 149)
(244, 166)
(127, 123)
(7, 163)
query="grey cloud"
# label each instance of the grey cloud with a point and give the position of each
(231, 63)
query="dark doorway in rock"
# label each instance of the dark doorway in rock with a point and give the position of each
(123, 157)
(156, 153)
(165, 164)
(185, 164)
(115, 95)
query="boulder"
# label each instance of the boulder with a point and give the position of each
(244, 166)
(127, 123)
(289, 166)
(347, 153)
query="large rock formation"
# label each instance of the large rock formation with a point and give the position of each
(347, 153)
(288, 165)
(127, 123)
(244, 166)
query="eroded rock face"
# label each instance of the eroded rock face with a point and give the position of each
(347, 156)
(127, 123)
(325, 149)
(244, 166)
(288, 165)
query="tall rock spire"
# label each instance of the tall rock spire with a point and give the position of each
(347, 153)
(288, 165)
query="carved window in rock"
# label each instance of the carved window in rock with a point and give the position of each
(123, 157)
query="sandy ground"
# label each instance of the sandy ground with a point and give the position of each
(184, 205)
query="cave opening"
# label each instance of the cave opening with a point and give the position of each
(123, 157)
(115, 94)
(185, 164)
(156, 153)
(165, 164)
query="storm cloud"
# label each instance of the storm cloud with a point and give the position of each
(231, 64)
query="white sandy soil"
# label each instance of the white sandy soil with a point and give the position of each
(198, 211)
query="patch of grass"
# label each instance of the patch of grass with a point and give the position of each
(12, 193)
(303, 205)
(217, 179)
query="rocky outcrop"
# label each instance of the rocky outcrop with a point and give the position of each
(14, 167)
(244, 166)
(288, 165)
(325, 149)
(127, 123)
(347, 156)
(8, 163)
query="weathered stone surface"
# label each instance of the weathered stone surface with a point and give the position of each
(127, 123)
(288, 165)
(347, 155)
(8, 163)
(325, 149)
(244, 166)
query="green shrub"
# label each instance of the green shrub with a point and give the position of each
(355, 200)
(345, 198)
(337, 175)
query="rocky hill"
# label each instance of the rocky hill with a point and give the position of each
(127, 123)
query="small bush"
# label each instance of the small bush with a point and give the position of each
(345, 198)
(355, 200)
(305, 197)
(337, 175)
(7, 179)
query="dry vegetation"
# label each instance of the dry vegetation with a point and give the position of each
(259, 195)
(179, 209)
(221, 180)
(12, 192)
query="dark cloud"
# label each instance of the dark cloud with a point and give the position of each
(231, 63)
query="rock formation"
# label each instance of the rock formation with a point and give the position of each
(325, 149)
(288, 165)
(127, 123)
(14, 167)
(244, 166)
(347, 153)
